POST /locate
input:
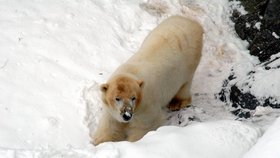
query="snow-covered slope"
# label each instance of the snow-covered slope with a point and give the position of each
(54, 55)
(201, 140)
(218, 139)
(268, 145)
(49, 51)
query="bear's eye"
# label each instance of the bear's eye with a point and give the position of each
(118, 99)
(133, 98)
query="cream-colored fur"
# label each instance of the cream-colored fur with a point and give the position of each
(158, 75)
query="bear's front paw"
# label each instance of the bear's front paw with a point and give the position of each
(177, 104)
(98, 140)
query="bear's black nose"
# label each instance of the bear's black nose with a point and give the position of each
(127, 116)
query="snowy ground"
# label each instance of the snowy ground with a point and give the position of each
(54, 55)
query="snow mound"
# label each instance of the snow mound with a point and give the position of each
(268, 145)
(218, 139)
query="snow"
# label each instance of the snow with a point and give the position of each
(258, 25)
(209, 139)
(268, 145)
(55, 54)
(275, 35)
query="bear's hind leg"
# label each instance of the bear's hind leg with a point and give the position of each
(182, 99)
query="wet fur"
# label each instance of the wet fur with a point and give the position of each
(159, 74)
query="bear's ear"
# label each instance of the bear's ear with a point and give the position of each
(104, 87)
(140, 83)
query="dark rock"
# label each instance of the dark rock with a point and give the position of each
(222, 94)
(272, 11)
(264, 41)
(261, 33)
(244, 100)
(253, 6)
(268, 66)
(231, 77)
(235, 15)
(241, 114)
(271, 102)
(272, 25)
(265, 45)
(245, 26)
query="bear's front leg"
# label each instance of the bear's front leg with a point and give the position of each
(109, 130)
(149, 121)
(136, 134)
(182, 99)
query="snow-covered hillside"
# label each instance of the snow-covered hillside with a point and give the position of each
(55, 54)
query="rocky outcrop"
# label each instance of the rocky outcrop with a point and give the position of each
(261, 28)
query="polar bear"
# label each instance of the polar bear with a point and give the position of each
(159, 75)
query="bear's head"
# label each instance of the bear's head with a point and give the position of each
(121, 96)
